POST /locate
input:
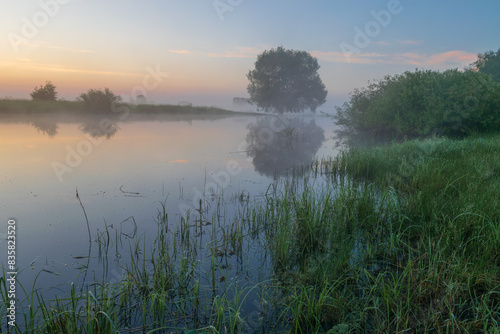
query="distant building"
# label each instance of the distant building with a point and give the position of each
(185, 104)
(141, 99)
(241, 101)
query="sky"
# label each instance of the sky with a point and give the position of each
(200, 51)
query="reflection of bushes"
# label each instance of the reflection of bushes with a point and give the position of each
(97, 128)
(424, 103)
(285, 144)
(46, 127)
(96, 100)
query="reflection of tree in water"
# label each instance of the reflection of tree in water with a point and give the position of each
(46, 126)
(101, 127)
(279, 144)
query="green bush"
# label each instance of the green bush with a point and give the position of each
(96, 100)
(423, 103)
(45, 93)
(476, 106)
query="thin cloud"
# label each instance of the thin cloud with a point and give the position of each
(228, 55)
(356, 58)
(438, 60)
(180, 51)
(62, 68)
(36, 45)
(63, 48)
(409, 58)
(444, 59)
(411, 42)
(399, 42)
(384, 43)
(240, 52)
(249, 50)
(452, 56)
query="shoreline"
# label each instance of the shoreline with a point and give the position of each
(61, 107)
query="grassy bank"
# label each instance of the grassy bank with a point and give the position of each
(450, 222)
(20, 106)
(397, 238)
(23, 106)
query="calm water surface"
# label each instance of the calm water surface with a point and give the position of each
(124, 171)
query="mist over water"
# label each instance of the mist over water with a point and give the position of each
(225, 101)
(126, 170)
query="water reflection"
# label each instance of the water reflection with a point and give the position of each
(46, 126)
(279, 144)
(167, 159)
(100, 127)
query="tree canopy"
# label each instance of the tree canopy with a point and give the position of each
(45, 93)
(286, 81)
(489, 63)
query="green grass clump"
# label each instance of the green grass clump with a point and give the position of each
(442, 178)
(449, 192)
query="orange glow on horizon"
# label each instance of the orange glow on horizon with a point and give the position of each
(23, 75)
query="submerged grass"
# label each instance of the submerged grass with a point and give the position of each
(397, 238)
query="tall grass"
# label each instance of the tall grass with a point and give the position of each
(399, 238)
(449, 194)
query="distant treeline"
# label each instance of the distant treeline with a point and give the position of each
(94, 101)
(23, 106)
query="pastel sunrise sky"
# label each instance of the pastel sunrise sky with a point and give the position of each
(208, 46)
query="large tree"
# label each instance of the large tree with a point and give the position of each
(489, 63)
(286, 80)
